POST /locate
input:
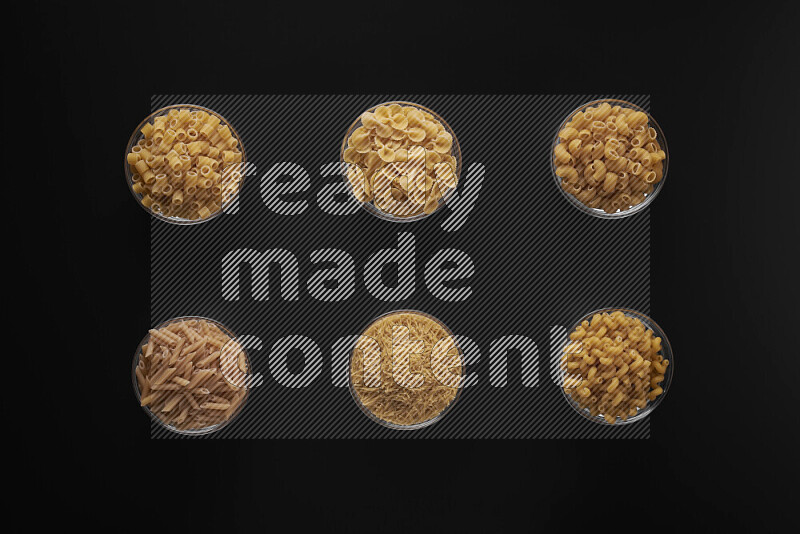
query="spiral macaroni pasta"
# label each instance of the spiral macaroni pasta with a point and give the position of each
(608, 157)
(612, 366)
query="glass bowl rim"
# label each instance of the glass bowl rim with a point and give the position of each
(137, 134)
(667, 353)
(374, 210)
(394, 426)
(594, 212)
(189, 432)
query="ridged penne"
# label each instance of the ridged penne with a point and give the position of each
(181, 377)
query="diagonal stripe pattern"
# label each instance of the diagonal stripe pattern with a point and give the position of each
(536, 265)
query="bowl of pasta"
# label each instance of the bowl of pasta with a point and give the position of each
(616, 366)
(191, 375)
(401, 161)
(184, 164)
(405, 370)
(609, 158)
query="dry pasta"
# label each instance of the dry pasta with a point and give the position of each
(187, 164)
(401, 159)
(608, 157)
(191, 375)
(418, 383)
(612, 366)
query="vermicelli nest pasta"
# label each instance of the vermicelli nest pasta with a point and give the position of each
(401, 159)
(187, 165)
(192, 375)
(613, 366)
(608, 157)
(422, 380)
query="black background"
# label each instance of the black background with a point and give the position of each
(724, 241)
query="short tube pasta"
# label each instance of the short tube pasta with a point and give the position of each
(186, 151)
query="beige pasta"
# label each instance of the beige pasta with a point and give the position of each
(416, 383)
(192, 168)
(179, 367)
(401, 145)
(613, 366)
(605, 155)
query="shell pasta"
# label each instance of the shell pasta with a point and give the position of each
(191, 375)
(402, 159)
(609, 157)
(613, 366)
(186, 165)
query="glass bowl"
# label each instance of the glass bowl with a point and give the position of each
(666, 352)
(137, 136)
(389, 424)
(596, 212)
(154, 417)
(455, 151)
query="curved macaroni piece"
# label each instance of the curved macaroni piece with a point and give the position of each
(614, 155)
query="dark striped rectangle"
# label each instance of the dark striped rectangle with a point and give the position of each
(539, 264)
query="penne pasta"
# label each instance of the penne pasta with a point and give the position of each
(179, 377)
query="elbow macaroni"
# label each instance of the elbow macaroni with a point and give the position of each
(187, 165)
(401, 159)
(608, 157)
(613, 366)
